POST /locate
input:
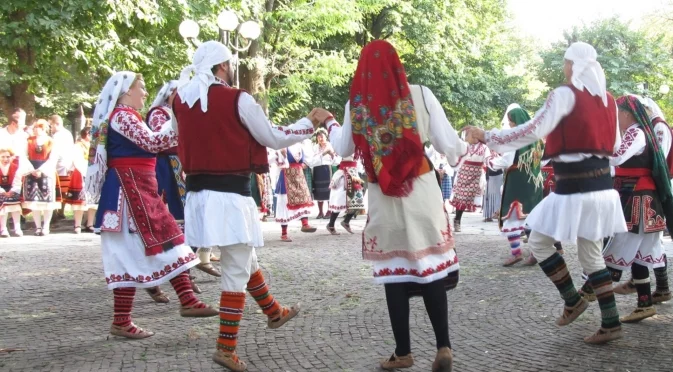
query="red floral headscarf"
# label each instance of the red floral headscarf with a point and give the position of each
(384, 120)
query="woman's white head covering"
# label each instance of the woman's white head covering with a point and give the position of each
(587, 72)
(652, 108)
(116, 86)
(505, 119)
(207, 55)
(164, 93)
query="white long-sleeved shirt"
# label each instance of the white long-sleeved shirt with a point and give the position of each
(559, 104)
(442, 136)
(503, 162)
(63, 144)
(633, 144)
(17, 142)
(663, 133)
(23, 168)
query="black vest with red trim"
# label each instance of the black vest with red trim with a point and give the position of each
(669, 156)
(590, 128)
(6, 180)
(216, 142)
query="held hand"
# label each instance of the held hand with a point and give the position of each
(322, 115)
(311, 117)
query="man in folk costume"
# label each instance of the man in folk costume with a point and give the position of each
(14, 136)
(171, 182)
(141, 243)
(522, 189)
(219, 210)
(643, 182)
(40, 186)
(12, 170)
(467, 192)
(347, 194)
(63, 145)
(584, 207)
(408, 235)
(292, 192)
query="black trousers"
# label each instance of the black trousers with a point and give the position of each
(434, 297)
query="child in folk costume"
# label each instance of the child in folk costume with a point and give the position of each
(40, 186)
(12, 170)
(522, 190)
(347, 194)
(142, 245)
(292, 192)
(467, 191)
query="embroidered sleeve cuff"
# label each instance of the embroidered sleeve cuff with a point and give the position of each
(331, 123)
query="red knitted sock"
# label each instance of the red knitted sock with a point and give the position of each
(283, 229)
(123, 304)
(304, 221)
(183, 288)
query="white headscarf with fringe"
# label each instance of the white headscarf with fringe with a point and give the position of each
(652, 108)
(587, 72)
(207, 55)
(164, 93)
(116, 86)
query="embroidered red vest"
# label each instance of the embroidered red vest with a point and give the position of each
(216, 142)
(36, 152)
(669, 156)
(7, 179)
(590, 128)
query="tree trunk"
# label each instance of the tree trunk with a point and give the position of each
(20, 96)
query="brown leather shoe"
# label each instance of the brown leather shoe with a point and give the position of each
(229, 360)
(625, 288)
(332, 230)
(347, 227)
(291, 313)
(208, 268)
(512, 260)
(308, 229)
(285, 238)
(571, 313)
(659, 297)
(195, 287)
(530, 261)
(204, 312)
(443, 361)
(398, 362)
(604, 335)
(456, 225)
(132, 331)
(639, 314)
(158, 295)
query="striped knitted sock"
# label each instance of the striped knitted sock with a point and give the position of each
(123, 304)
(260, 292)
(283, 229)
(641, 279)
(231, 312)
(555, 268)
(515, 244)
(304, 221)
(602, 284)
(183, 288)
(661, 277)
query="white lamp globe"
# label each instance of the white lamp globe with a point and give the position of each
(227, 20)
(664, 89)
(640, 87)
(250, 30)
(189, 29)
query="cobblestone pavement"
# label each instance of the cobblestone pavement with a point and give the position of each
(54, 307)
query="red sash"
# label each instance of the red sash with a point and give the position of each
(644, 175)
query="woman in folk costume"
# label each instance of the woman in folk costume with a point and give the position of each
(260, 187)
(408, 235)
(75, 196)
(40, 186)
(321, 163)
(347, 194)
(12, 170)
(292, 192)
(642, 178)
(142, 244)
(467, 191)
(522, 190)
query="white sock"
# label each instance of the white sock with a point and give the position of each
(78, 218)
(3, 223)
(90, 217)
(204, 255)
(47, 219)
(37, 218)
(16, 217)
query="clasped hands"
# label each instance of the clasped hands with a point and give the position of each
(474, 135)
(318, 116)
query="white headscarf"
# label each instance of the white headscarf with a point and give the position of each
(653, 109)
(505, 119)
(587, 72)
(164, 93)
(116, 86)
(206, 56)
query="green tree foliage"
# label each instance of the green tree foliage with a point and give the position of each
(629, 57)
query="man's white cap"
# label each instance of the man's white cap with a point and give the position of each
(207, 55)
(587, 72)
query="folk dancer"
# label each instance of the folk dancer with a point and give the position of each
(445, 171)
(321, 164)
(75, 194)
(82, 148)
(63, 145)
(40, 185)
(347, 194)
(12, 170)
(467, 191)
(640, 171)
(219, 210)
(584, 207)
(522, 189)
(260, 186)
(142, 245)
(408, 235)
(171, 183)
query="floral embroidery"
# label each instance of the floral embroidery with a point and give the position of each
(137, 132)
(414, 272)
(522, 130)
(111, 221)
(660, 136)
(627, 140)
(329, 129)
(157, 275)
(635, 214)
(297, 132)
(157, 118)
(294, 216)
(653, 221)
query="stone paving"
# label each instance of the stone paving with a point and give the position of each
(55, 308)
